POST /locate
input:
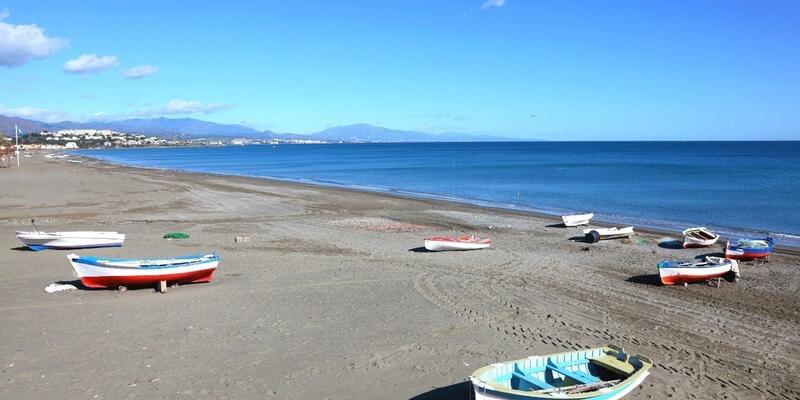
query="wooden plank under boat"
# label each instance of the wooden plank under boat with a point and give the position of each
(70, 240)
(749, 249)
(674, 272)
(577, 219)
(99, 272)
(446, 243)
(597, 234)
(699, 237)
(598, 373)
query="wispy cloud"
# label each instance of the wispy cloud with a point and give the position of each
(140, 71)
(22, 43)
(38, 114)
(439, 116)
(492, 3)
(191, 107)
(90, 64)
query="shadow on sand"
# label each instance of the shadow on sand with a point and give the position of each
(77, 283)
(420, 249)
(581, 239)
(461, 390)
(21, 248)
(559, 225)
(673, 244)
(649, 279)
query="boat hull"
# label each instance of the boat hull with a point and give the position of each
(483, 393)
(698, 237)
(37, 241)
(98, 276)
(576, 219)
(678, 275)
(596, 235)
(445, 245)
(734, 252)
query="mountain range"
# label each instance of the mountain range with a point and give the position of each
(190, 127)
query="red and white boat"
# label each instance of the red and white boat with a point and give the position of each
(674, 272)
(698, 237)
(97, 272)
(445, 243)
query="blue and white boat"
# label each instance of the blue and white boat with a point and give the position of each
(70, 240)
(602, 373)
(749, 249)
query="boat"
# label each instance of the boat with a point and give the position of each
(100, 272)
(749, 249)
(577, 219)
(597, 234)
(445, 243)
(70, 240)
(698, 237)
(672, 271)
(599, 373)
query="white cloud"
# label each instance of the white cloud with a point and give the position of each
(89, 64)
(140, 71)
(492, 3)
(191, 107)
(22, 43)
(38, 114)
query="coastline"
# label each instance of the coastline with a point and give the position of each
(649, 228)
(332, 296)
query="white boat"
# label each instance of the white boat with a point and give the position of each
(597, 234)
(445, 243)
(70, 240)
(98, 272)
(577, 219)
(699, 237)
(672, 272)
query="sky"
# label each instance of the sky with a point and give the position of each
(553, 70)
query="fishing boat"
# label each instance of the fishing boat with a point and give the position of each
(445, 243)
(99, 272)
(598, 373)
(70, 240)
(598, 234)
(698, 237)
(749, 249)
(577, 219)
(673, 272)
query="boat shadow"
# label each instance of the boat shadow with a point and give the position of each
(420, 249)
(76, 282)
(558, 225)
(21, 248)
(580, 239)
(648, 279)
(672, 244)
(461, 390)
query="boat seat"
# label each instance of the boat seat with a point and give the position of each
(576, 376)
(538, 383)
(613, 364)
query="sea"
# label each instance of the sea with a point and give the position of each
(749, 189)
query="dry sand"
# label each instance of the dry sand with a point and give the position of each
(332, 297)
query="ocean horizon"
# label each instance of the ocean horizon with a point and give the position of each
(738, 189)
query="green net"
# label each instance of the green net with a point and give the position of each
(176, 235)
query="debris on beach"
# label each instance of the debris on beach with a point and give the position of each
(241, 239)
(59, 287)
(176, 235)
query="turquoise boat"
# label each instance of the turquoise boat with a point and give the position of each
(602, 373)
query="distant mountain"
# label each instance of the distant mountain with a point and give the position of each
(369, 133)
(170, 127)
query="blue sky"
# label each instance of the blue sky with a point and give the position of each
(587, 70)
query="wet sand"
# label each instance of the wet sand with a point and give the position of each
(334, 298)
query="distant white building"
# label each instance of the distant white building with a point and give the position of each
(71, 145)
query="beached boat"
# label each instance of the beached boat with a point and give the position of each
(577, 219)
(674, 272)
(599, 373)
(698, 237)
(70, 240)
(445, 243)
(99, 272)
(598, 234)
(749, 249)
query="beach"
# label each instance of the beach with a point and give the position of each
(332, 296)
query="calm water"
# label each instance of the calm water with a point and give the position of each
(744, 188)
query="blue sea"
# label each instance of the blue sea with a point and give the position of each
(737, 188)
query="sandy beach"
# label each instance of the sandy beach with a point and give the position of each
(332, 297)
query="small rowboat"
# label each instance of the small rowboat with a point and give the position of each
(698, 237)
(70, 240)
(672, 272)
(598, 234)
(97, 272)
(749, 249)
(599, 373)
(577, 219)
(445, 243)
